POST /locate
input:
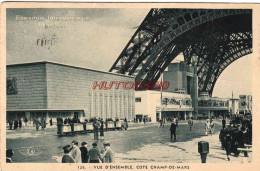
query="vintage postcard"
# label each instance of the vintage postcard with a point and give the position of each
(129, 86)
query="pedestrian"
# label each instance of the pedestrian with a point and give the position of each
(126, 123)
(109, 154)
(51, 122)
(75, 152)
(37, 124)
(95, 125)
(241, 139)
(207, 127)
(15, 124)
(43, 123)
(67, 158)
(94, 154)
(222, 138)
(102, 129)
(84, 152)
(227, 145)
(212, 126)
(10, 122)
(190, 122)
(173, 130)
(26, 121)
(177, 121)
(9, 155)
(20, 123)
(223, 123)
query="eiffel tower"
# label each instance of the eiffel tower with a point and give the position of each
(210, 39)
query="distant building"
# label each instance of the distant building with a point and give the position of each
(209, 107)
(234, 106)
(46, 89)
(174, 105)
(178, 101)
(245, 104)
(184, 80)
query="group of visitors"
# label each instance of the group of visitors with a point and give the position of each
(17, 123)
(75, 154)
(209, 127)
(39, 122)
(235, 135)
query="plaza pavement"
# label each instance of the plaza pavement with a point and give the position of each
(168, 152)
(182, 152)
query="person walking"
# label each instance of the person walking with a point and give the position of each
(84, 152)
(212, 126)
(223, 123)
(51, 122)
(109, 154)
(95, 131)
(67, 158)
(43, 123)
(241, 139)
(20, 123)
(15, 124)
(76, 153)
(173, 130)
(227, 144)
(207, 127)
(102, 129)
(37, 124)
(94, 154)
(190, 122)
(10, 122)
(26, 122)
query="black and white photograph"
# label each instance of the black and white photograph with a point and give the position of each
(129, 85)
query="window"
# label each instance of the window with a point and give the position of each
(138, 99)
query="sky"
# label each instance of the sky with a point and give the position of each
(95, 42)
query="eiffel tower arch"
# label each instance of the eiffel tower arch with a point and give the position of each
(210, 39)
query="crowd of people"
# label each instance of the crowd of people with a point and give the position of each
(75, 154)
(236, 135)
(17, 123)
(23, 123)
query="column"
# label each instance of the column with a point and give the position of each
(47, 116)
(118, 105)
(185, 115)
(190, 114)
(92, 104)
(28, 116)
(114, 105)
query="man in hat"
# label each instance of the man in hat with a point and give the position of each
(76, 153)
(67, 158)
(173, 130)
(9, 155)
(94, 154)
(84, 152)
(109, 154)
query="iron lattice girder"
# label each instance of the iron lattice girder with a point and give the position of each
(225, 53)
(206, 37)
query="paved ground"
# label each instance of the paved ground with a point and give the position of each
(140, 143)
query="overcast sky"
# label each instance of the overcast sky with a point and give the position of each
(95, 42)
